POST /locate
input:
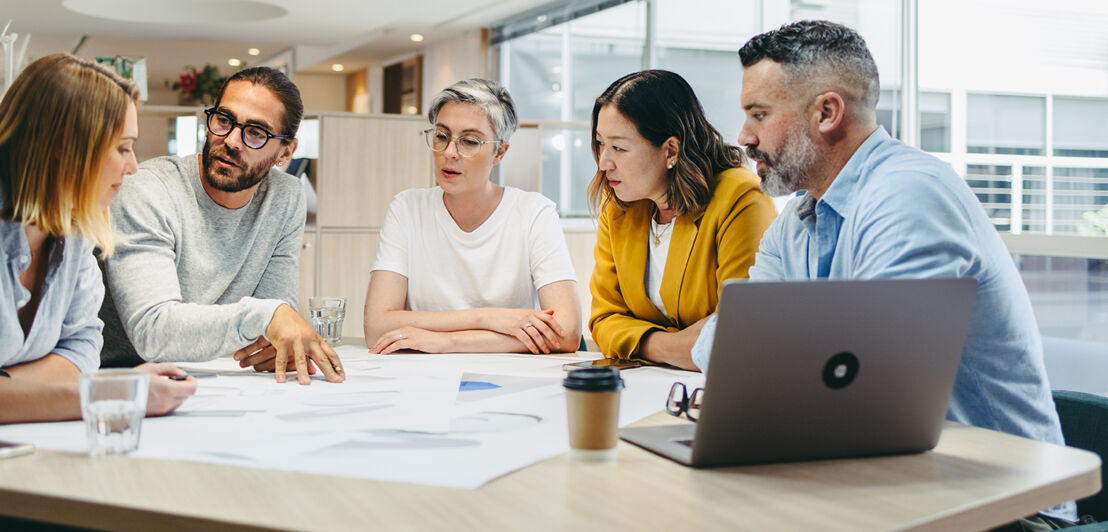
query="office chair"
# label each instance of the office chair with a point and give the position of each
(1084, 420)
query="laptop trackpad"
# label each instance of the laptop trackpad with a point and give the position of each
(671, 441)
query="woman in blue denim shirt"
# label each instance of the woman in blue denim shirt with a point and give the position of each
(67, 134)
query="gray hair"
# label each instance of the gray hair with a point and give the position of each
(818, 53)
(493, 100)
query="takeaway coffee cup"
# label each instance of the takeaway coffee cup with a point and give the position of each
(592, 406)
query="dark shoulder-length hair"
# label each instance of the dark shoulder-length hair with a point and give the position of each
(661, 104)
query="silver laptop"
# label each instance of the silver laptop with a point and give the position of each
(823, 369)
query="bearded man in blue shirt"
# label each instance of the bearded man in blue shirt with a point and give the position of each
(869, 206)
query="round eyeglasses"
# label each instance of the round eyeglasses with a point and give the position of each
(467, 145)
(254, 137)
(680, 402)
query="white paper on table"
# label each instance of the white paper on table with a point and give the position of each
(450, 420)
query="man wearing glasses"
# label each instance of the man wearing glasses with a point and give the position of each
(206, 261)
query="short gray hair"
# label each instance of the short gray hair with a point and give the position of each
(818, 52)
(493, 100)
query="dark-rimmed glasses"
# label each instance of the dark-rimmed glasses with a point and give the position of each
(467, 145)
(680, 402)
(254, 137)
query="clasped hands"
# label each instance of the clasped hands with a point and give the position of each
(537, 330)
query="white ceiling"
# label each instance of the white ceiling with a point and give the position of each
(357, 32)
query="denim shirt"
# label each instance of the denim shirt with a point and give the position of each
(65, 323)
(897, 212)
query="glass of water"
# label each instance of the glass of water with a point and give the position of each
(113, 403)
(327, 315)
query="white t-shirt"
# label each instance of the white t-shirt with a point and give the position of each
(502, 263)
(656, 262)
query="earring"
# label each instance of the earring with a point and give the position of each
(670, 165)
(279, 163)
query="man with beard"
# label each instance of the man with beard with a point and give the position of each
(871, 207)
(208, 246)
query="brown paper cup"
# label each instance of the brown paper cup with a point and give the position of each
(593, 424)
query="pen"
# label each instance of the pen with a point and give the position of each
(178, 377)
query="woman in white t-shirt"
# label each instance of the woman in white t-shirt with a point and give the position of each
(469, 265)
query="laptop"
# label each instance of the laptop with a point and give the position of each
(807, 370)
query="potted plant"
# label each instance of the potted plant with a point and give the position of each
(198, 87)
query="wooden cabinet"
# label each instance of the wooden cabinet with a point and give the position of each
(364, 160)
(363, 163)
(345, 259)
(307, 273)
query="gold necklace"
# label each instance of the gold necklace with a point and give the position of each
(658, 234)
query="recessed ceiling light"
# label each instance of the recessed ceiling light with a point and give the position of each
(541, 18)
(337, 67)
(415, 37)
(234, 62)
(412, 110)
(253, 51)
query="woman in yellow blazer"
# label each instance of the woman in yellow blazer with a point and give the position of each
(679, 214)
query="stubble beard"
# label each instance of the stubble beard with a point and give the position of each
(788, 171)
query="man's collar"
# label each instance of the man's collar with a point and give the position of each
(840, 195)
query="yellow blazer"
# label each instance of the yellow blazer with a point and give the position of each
(705, 249)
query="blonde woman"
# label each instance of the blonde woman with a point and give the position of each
(679, 214)
(470, 265)
(67, 134)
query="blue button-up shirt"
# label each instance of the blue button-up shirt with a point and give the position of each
(897, 212)
(65, 323)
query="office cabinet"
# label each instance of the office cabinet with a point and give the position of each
(364, 160)
(307, 273)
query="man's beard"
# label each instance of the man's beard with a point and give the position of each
(223, 179)
(787, 172)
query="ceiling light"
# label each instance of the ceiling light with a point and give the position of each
(540, 19)
(253, 51)
(413, 110)
(337, 67)
(234, 62)
(415, 37)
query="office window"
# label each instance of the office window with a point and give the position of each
(1080, 127)
(535, 78)
(1033, 204)
(1070, 297)
(700, 40)
(934, 121)
(992, 185)
(1080, 198)
(1021, 103)
(556, 71)
(888, 112)
(1014, 125)
(567, 155)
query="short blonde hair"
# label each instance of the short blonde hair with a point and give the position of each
(56, 125)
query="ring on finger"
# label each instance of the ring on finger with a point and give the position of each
(529, 324)
(400, 337)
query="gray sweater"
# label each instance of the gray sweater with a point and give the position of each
(191, 280)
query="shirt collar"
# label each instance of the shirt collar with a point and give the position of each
(13, 241)
(840, 196)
